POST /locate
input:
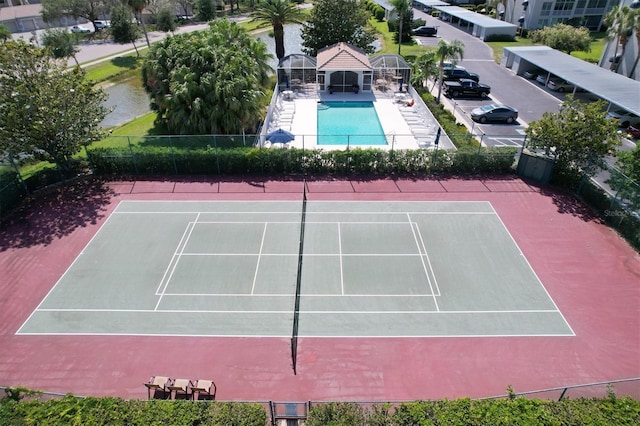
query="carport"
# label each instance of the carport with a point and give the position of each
(427, 5)
(614, 88)
(481, 26)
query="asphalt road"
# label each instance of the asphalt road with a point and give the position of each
(530, 98)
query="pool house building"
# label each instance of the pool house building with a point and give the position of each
(307, 86)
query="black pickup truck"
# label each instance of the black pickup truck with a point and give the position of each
(456, 73)
(465, 87)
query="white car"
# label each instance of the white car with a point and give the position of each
(560, 85)
(625, 118)
(78, 29)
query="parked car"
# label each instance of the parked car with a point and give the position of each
(466, 87)
(634, 132)
(625, 118)
(494, 112)
(450, 66)
(185, 18)
(560, 85)
(425, 30)
(101, 25)
(542, 78)
(78, 29)
(531, 74)
(456, 73)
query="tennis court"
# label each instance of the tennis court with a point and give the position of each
(367, 269)
(95, 277)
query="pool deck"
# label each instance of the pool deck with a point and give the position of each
(405, 127)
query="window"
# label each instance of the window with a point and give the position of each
(564, 5)
(597, 4)
(546, 8)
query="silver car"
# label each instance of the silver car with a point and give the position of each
(560, 85)
(494, 112)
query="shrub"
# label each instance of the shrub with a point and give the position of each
(273, 162)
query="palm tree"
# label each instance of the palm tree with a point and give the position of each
(636, 29)
(137, 6)
(277, 13)
(620, 26)
(453, 52)
(424, 67)
(402, 9)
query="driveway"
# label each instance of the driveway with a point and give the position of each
(530, 99)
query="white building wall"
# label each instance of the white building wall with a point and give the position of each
(544, 13)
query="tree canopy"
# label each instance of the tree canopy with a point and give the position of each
(91, 10)
(5, 33)
(563, 37)
(61, 43)
(46, 110)
(277, 13)
(334, 21)
(123, 28)
(205, 10)
(404, 10)
(425, 66)
(629, 163)
(578, 136)
(620, 25)
(207, 82)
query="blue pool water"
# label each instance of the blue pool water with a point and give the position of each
(349, 123)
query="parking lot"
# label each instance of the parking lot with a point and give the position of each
(529, 97)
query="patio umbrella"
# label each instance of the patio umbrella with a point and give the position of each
(280, 136)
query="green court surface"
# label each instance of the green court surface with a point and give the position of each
(371, 269)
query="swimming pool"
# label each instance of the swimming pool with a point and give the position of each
(349, 123)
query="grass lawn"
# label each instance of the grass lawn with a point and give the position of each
(593, 56)
(118, 67)
(389, 46)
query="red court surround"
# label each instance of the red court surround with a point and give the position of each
(590, 272)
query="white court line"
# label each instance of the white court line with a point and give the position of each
(424, 266)
(319, 336)
(255, 275)
(426, 253)
(69, 268)
(177, 261)
(356, 295)
(271, 311)
(305, 254)
(173, 259)
(340, 259)
(275, 212)
(532, 270)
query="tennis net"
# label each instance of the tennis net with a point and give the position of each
(296, 308)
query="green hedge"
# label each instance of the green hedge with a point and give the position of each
(465, 412)
(256, 161)
(71, 411)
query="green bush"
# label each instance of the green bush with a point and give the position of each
(608, 411)
(71, 411)
(274, 162)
